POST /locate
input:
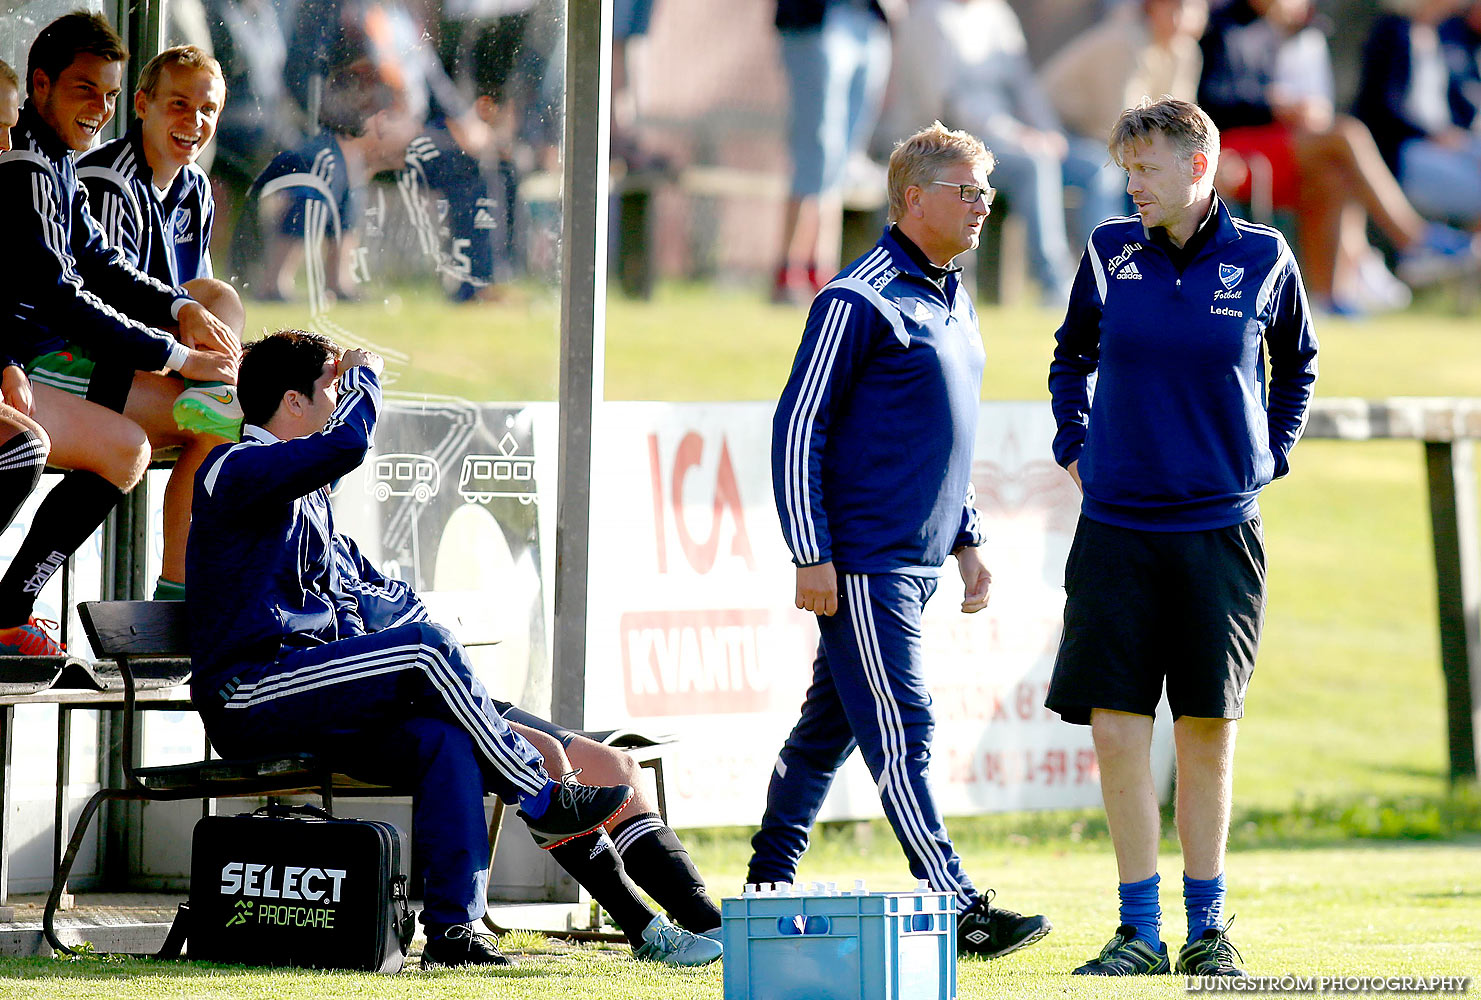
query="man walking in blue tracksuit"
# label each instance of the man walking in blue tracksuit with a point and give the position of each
(871, 462)
(1173, 311)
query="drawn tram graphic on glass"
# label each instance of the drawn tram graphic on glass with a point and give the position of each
(405, 475)
(507, 474)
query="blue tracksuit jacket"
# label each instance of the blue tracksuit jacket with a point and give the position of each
(1182, 433)
(64, 283)
(316, 180)
(260, 558)
(382, 602)
(871, 446)
(170, 239)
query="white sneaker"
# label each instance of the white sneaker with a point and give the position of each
(663, 942)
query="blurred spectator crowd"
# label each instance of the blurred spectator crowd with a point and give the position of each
(453, 100)
(1378, 201)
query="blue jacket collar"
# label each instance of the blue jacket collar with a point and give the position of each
(1225, 231)
(905, 263)
(52, 147)
(135, 137)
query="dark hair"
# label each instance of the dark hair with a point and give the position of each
(288, 359)
(353, 95)
(63, 40)
(495, 54)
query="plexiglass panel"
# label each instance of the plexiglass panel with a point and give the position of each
(387, 173)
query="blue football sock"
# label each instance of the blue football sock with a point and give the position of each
(1141, 909)
(535, 805)
(1204, 898)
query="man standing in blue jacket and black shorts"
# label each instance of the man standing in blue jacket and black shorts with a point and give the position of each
(1173, 311)
(871, 466)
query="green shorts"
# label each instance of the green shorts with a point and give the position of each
(69, 370)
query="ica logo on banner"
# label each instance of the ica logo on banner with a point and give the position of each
(727, 517)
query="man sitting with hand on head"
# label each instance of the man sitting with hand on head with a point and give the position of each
(283, 660)
(155, 205)
(69, 298)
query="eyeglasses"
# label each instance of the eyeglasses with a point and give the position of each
(971, 192)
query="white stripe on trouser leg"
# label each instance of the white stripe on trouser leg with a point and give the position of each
(500, 754)
(410, 656)
(895, 775)
(322, 674)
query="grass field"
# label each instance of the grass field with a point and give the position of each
(1344, 737)
(1411, 911)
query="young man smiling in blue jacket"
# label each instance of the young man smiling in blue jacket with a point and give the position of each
(1173, 311)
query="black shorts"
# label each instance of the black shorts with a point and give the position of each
(1144, 606)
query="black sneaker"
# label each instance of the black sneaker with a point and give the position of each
(992, 932)
(1127, 955)
(1211, 954)
(458, 946)
(575, 809)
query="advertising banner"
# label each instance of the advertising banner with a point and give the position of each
(693, 632)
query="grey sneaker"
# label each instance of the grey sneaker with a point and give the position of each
(671, 945)
(575, 809)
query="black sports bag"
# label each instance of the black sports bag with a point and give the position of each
(292, 886)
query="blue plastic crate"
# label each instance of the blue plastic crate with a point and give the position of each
(866, 946)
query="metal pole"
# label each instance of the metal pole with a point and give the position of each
(1453, 523)
(583, 324)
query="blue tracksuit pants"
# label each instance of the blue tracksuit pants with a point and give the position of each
(402, 707)
(868, 691)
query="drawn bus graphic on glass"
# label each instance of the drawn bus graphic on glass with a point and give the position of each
(487, 476)
(415, 476)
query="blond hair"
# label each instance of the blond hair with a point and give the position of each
(1188, 129)
(189, 56)
(923, 158)
(7, 75)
